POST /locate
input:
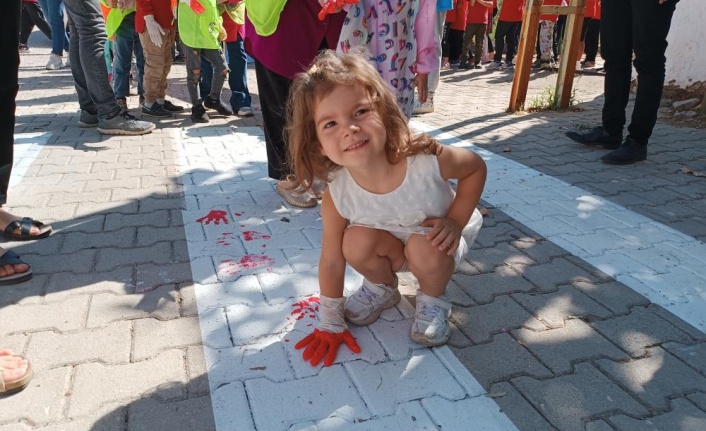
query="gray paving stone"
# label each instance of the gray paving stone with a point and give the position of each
(555, 307)
(559, 349)
(614, 296)
(110, 258)
(699, 400)
(694, 355)
(75, 241)
(183, 415)
(197, 372)
(567, 402)
(42, 401)
(96, 385)
(102, 420)
(639, 330)
(539, 250)
(487, 259)
(29, 292)
(160, 303)
(694, 333)
(23, 318)
(683, 417)
(187, 300)
(152, 336)
(551, 275)
(150, 276)
(518, 409)
(483, 288)
(501, 232)
(480, 322)
(656, 378)
(500, 359)
(599, 426)
(64, 284)
(108, 345)
(88, 209)
(80, 262)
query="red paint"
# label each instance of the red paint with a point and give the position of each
(250, 235)
(247, 262)
(238, 214)
(215, 216)
(306, 308)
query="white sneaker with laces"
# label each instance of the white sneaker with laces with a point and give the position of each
(55, 62)
(431, 321)
(367, 303)
(424, 108)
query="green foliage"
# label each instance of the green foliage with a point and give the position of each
(547, 100)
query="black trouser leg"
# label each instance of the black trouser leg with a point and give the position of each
(32, 15)
(9, 34)
(616, 27)
(591, 39)
(273, 90)
(651, 22)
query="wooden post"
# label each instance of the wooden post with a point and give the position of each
(569, 51)
(528, 41)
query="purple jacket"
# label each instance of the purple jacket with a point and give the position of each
(295, 43)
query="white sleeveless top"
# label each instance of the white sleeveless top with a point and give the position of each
(423, 194)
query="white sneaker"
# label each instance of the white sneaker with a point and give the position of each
(54, 62)
(431, 321)
(424, 108)
(245, 111)
(367, 303)
(67, 62)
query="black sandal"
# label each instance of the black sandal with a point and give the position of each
(24, 226)
(12, 258)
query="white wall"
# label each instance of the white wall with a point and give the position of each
(686, 56)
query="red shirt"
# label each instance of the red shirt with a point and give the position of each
(160, 9)
(477, 14)
(457, 16)
(231, 28)
(592, 9)
(511, 11)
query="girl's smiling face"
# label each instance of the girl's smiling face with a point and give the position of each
(349, 129)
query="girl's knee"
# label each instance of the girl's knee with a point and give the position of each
(423, 257)
(358, 243)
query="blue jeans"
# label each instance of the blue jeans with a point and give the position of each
(126, 41)
(237, 79)
(88, 68)
(54, 13)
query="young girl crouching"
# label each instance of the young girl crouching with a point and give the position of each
(389, 206)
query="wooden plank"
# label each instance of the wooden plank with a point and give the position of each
(569, 51)
(523, 66)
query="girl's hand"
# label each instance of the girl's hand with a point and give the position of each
(331, 332)
(445, 234)
(324, 345)
(421, 83)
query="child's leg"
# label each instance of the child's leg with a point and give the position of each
(467, 37)
(238, 79)
(193, 72)
(220, 71)
(431, 266)
(376, 254)
(479, 36)
(546, 33)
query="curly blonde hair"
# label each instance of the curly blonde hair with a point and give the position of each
(329, 70)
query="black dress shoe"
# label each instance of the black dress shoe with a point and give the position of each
(169, 106)
(597, 136)
(156, 110)
(628, 153)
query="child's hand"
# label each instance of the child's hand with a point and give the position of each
(445, 234)
(421, 83)
(324, 345)
(332, 330)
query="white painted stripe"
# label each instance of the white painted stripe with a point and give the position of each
(244, 313)
(27, 147)
(661, 263)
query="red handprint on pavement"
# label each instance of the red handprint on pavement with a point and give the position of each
(215, 216)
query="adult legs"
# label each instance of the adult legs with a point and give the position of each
(238, 78)
(127, 42)
(32, 15)
(273, 90)
(616, 27)
(651, 22)
(54, 12)
(88, 64)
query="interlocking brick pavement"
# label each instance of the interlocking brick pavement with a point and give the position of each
(577, 308)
